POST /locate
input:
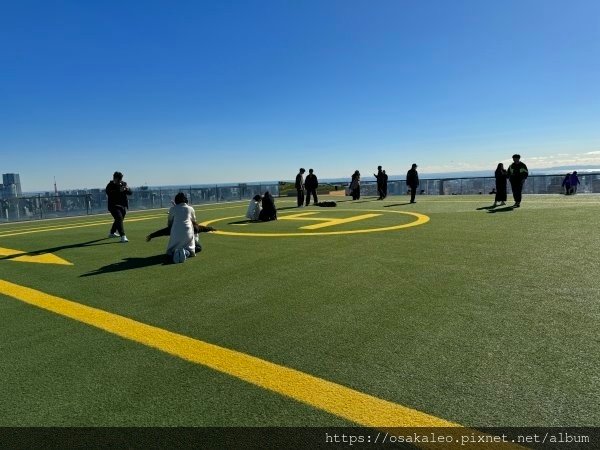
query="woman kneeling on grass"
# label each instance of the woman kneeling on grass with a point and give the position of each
(183, 231)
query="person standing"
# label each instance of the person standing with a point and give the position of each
(574, 182)
(355, 185)
(311, 184)
(567, 183)
(117, 192)
(379, 177)
(500, 176)
(412, 181)
(384, 184)
(517, 174)
(300, 187)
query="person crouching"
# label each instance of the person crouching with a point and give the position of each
(181, 222)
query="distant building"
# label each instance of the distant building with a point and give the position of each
(11, 185)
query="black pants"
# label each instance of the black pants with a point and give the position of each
(380, 191)
(118, 213)
(300, 197)
(413, 192)
(384, 189)
(310, 192)
(517, 189)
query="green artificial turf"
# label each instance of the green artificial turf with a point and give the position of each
(481, 318)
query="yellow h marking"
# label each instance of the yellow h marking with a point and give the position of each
(327, 221)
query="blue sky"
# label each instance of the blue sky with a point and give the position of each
(191, 92)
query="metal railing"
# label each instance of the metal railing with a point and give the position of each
(40, 206)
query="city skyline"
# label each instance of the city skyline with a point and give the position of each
(206, 93)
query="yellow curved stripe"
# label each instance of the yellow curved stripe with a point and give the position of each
(421, 219)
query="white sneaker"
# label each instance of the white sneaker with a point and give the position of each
(112, 235)
(124, 239)
(179, 256)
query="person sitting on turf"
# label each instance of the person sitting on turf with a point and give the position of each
(268, 212)
(254, 208)
(183, 242)
(197, 230)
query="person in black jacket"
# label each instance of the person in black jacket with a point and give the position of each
(300, 187)
(412, 181)
(517, 174)
(380, 183)
(311, 184)
(500, 176)
(268, 211)
(384, 184)
(117, 192)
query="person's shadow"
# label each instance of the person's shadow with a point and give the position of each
(487, 208)
(396, 204)
(505, 209)
(130, 264)
(102, 241)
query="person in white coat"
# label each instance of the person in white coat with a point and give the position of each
(181, 222)
(254, 208)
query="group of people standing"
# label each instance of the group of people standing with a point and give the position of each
(306, 188)
(412, 181)
(517, 173)
(570, 183)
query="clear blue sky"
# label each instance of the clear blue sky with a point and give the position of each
(190, 92)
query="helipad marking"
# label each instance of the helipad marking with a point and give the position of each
(45, 258)
(334, 398)
(420, 220)
(327, 221)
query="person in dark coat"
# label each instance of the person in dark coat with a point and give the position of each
(567, 183)
(379, 177)
(574, 180)
(117, 192)
(517, 174)
(384, 185)
(300, 187)
(355, 185)
(412, 181)
(268, 211)
(501, 177)
(311, 184)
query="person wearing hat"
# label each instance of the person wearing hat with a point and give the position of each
(517, 174)
(300, 187)
(412, 181)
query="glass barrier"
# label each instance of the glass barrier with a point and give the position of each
(40, 206)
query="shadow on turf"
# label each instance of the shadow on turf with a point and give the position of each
(102, 241)
(494, 209)
(396, 204)
(129, 264)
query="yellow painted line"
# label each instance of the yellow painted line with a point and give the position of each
(332, 222)
(69, 227)
(420, 220)
(45, 258)
(94, 223)
(334, 398)
(61, 226)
